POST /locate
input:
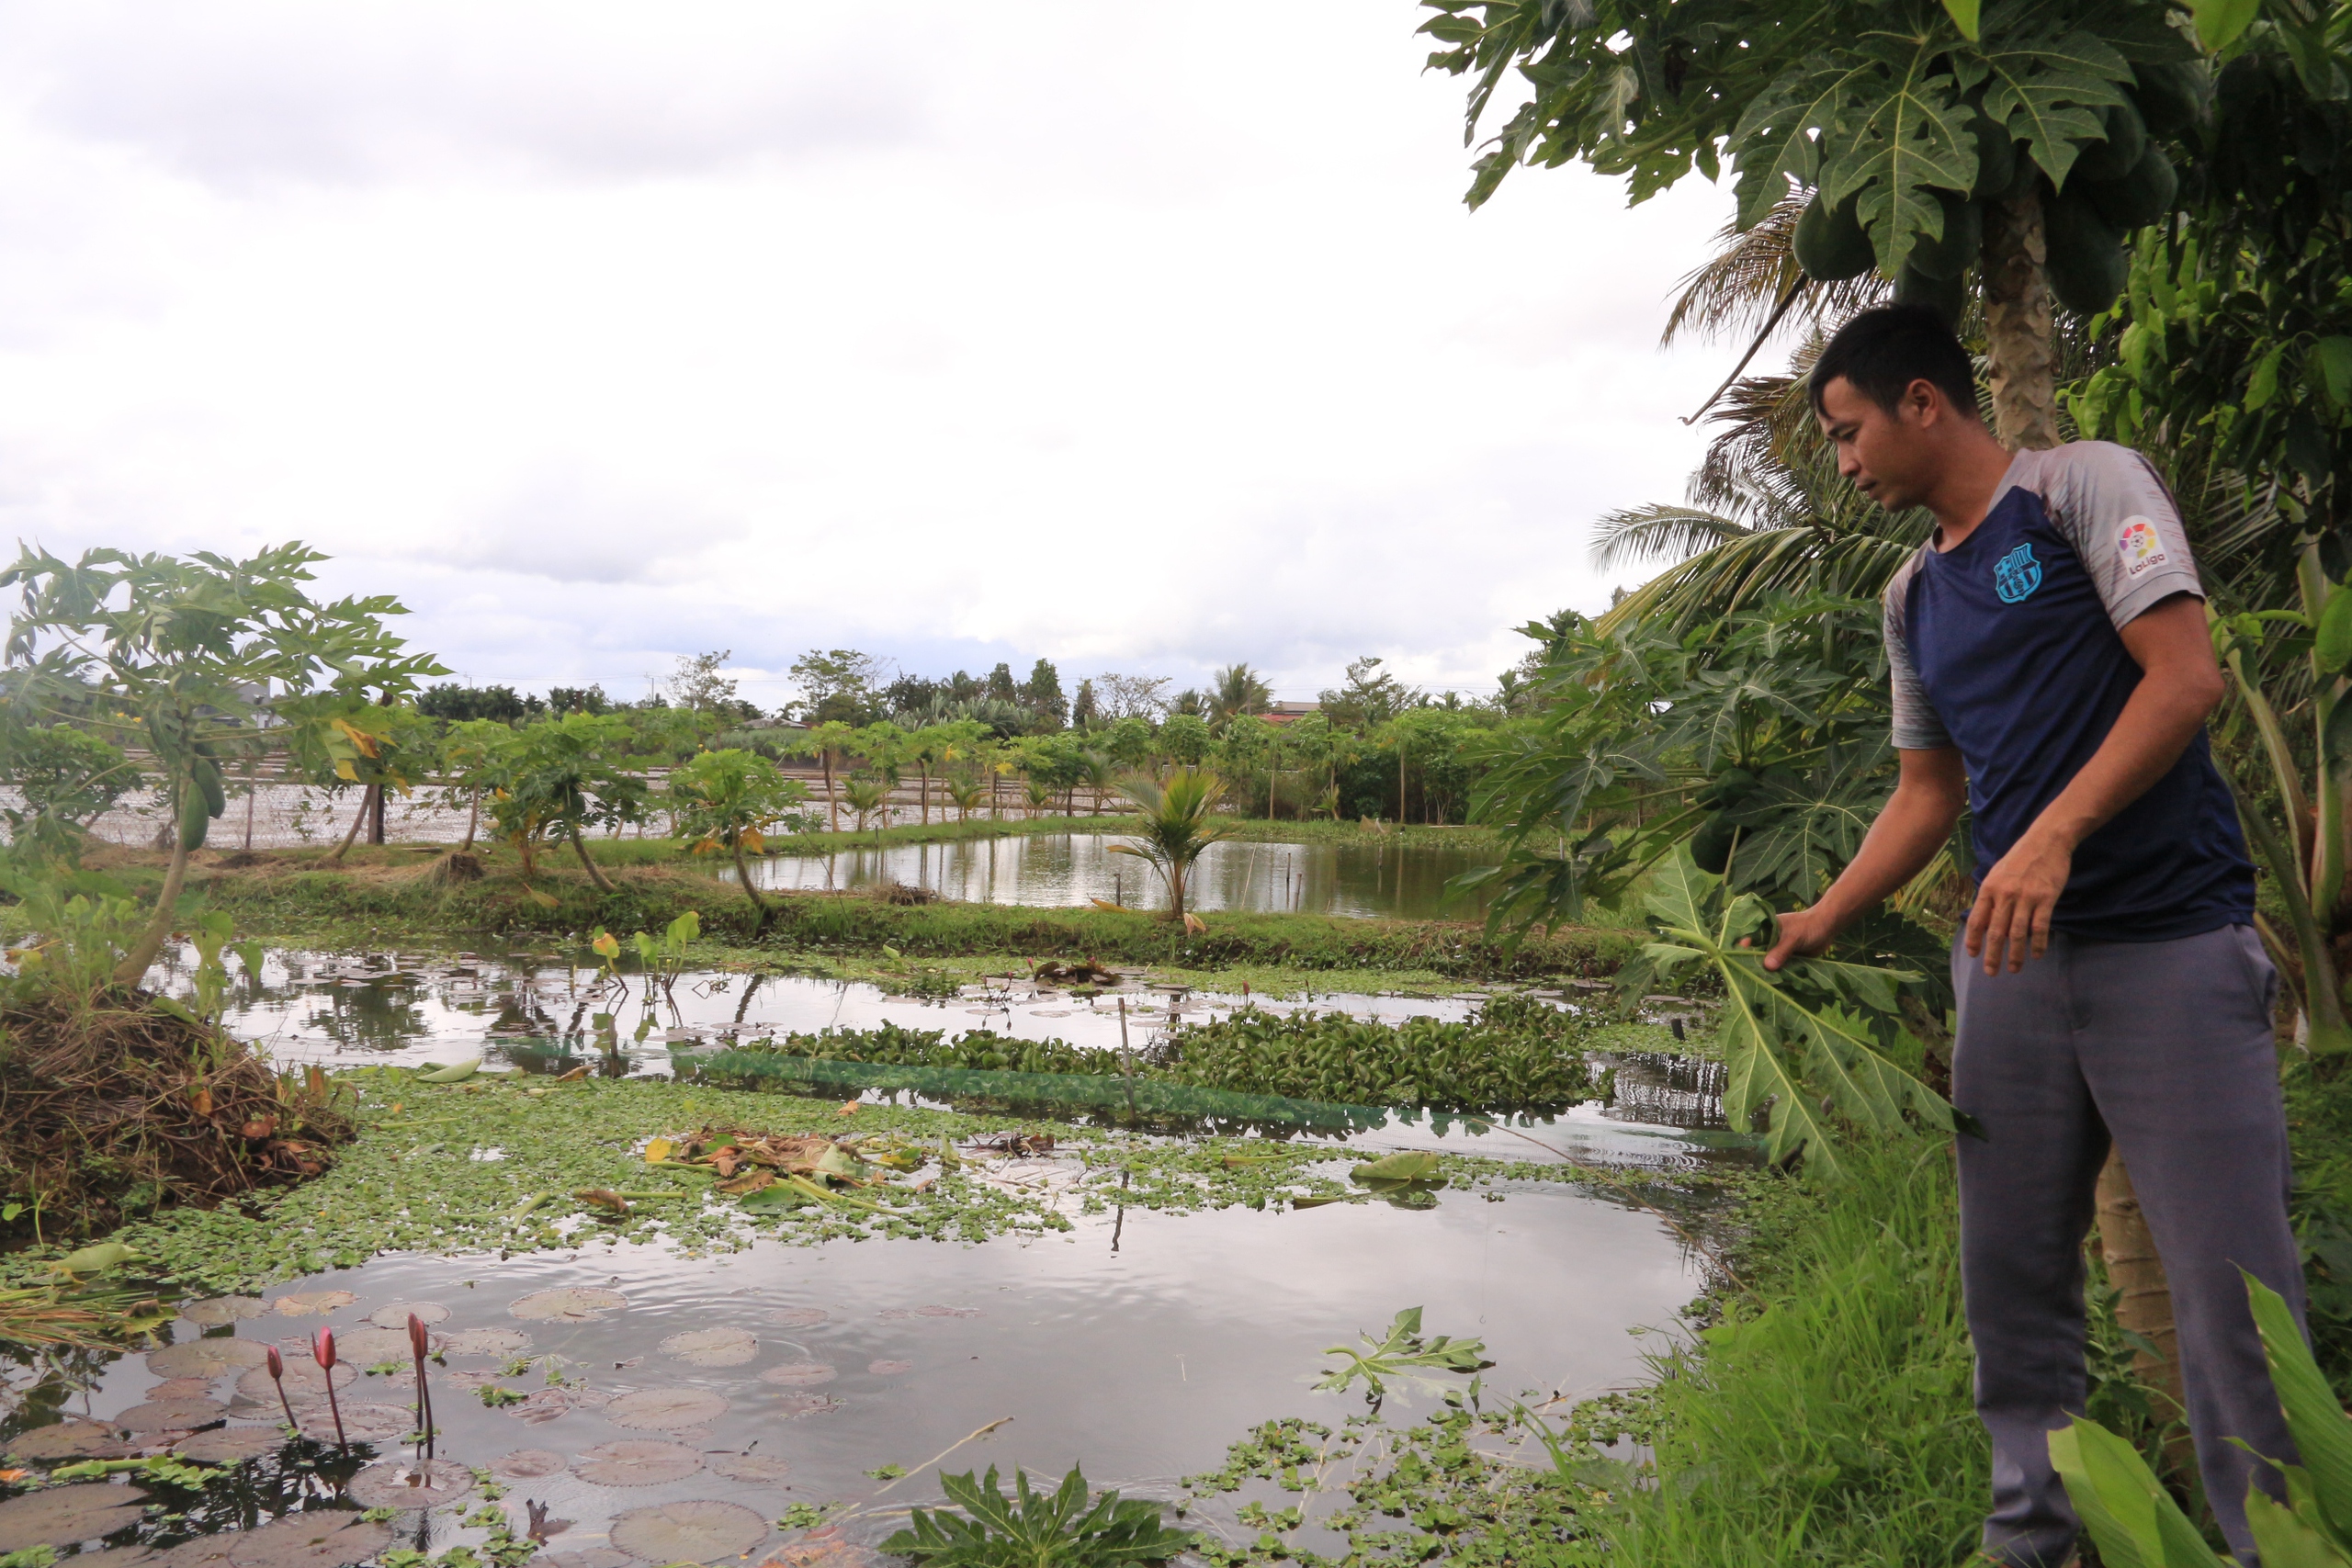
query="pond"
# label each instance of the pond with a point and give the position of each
(537, 1010)
(1377, 877)
(678, 1409)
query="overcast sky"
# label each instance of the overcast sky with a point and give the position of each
(1143, 336)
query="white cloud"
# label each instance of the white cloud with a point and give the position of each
(605, 334)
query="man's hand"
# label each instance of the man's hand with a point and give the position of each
(2014, 902)
(1801, 933)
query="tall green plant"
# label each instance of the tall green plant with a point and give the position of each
(1064, 1528)
(560, 776)
(182, 654)
(65, 778)
(729, 800)
(1172, 826)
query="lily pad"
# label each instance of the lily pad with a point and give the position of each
(401, 1484)
(712, 1346)
(177, 1415)
(637, 1461)
(666, 1409)
(538, 1407)
(749, 1467)
(366, 1346)
(820, 1549)
(371, 1420)
(321, 1539)
(397, 1314)
(485, 1342)
(799, 1374)
(64, 1515)
(309, 1304)
(207, 1359)
(527, 1464)
(797, 1317)
(219, 1312)
(304, 1379)
(792, 1407)
(70, 1440)
(229, 1445)
(567, 1304)
(594, 1557)
(703, 1530)
(181, 1388)
(902, 1312)
(889, 1369)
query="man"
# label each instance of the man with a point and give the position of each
(2053, 671)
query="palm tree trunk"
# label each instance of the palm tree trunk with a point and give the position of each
(832, 801)
(922, 792)
(2145, 1307)
(580, 849)
(2016, 324)
(133, 967)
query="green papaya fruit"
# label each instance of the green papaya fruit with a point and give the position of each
(1996, 158)
(1963, 239)
(1829, 244)
(2127, 139)
(195, 822)
(1727, 788)
(1947, 297)
(2088, 264)
(2140, 198)
(208, 783)
(1711, 847)
(2170, 97)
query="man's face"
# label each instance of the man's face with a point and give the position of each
(1890, 455)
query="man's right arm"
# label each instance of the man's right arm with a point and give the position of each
(1929, 793)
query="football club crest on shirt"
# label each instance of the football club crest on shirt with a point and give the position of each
(2137, 546)
(2017, 574)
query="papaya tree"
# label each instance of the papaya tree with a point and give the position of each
(185, 658)
(2015, 145)
(560, 776)
(729, 800)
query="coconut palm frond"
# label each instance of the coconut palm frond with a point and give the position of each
(1725, 579)
(1737, 290)
(1659, 532)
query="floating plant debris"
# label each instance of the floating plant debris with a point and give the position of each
(797, 1317)
(793, 1406)
(897, 1314)
(889, 1369)
(637, 1461)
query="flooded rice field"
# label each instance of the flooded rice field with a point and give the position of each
(1375, 877)
(637, 1407)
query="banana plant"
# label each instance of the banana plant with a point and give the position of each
(1810, 1044)
(2137, 1523)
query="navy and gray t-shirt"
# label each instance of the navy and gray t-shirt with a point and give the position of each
(2006, 647)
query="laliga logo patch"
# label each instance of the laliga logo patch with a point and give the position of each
(2137, 546)
(2017, 574)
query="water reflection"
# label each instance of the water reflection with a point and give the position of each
(1377, 877)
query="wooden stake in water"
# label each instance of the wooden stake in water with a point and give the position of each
(1127, 1059)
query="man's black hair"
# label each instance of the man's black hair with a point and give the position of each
(1880, 353)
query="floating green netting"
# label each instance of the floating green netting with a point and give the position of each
(1099, 1091)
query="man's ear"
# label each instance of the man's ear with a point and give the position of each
(1922, 403)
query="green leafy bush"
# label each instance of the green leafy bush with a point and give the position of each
(1034, 1529)
(891, 1044)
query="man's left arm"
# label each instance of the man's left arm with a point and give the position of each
(2180, 686)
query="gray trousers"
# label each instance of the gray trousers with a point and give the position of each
(2166, 1047)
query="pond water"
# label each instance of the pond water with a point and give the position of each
(1138, 1345)
(1377, 877)
(538, 1011)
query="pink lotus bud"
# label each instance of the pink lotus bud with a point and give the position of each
(323, 1347)
(418, 1340)
(277, 1364)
